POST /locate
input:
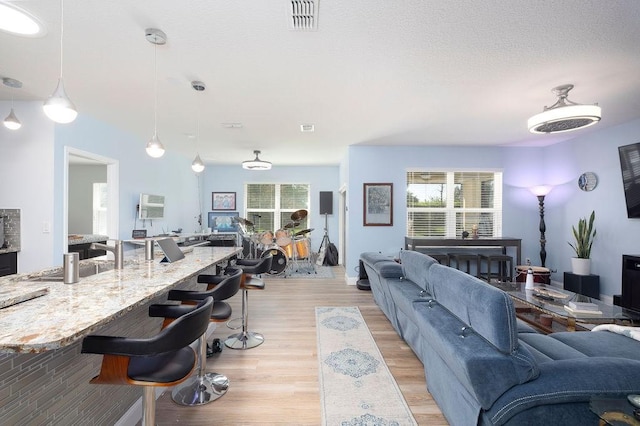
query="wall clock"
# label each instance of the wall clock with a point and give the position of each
(587, 181)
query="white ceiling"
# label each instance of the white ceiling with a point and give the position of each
(376, 72)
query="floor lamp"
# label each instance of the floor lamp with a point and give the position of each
(541, 192)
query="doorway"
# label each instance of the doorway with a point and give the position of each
(75, 158)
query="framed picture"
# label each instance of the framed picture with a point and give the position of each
(378, 204)
(223, 221)
(223, 201)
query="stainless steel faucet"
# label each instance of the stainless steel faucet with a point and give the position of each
(116, 249)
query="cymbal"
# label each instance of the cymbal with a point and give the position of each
(291, 225)
(299, 215)
(304, 231)
(244, 221)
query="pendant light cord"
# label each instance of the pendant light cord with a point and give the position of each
(155, 89)
(61, 34)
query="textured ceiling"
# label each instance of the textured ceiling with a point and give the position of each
(405, 72)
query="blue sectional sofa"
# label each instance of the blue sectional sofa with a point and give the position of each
(485, 367)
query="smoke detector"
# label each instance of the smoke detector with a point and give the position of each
(303, 15)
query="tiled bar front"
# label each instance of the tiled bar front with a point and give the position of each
(52, 386)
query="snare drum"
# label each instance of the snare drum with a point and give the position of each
(279, 261)
(282, 237)
(302, 248)
(266, 238)
(541, 274)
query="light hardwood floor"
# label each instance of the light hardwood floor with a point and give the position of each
(277, 383)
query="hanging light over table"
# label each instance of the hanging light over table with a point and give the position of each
(12, 122)
(154, 147)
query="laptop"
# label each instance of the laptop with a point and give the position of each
(171, 250)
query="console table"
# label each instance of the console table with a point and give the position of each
(412, 243)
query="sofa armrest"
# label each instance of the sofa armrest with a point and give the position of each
(569, 381)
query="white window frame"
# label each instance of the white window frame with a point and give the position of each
(451, 211)
(276, 211)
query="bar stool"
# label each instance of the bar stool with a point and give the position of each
(203, 387)
(459, 258)
(505, 267)
(247, 339)
(165, 359)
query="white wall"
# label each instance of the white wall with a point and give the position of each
(81, 180)
(27, 181)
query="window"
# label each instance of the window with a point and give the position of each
(269, 206)
(444, 204)
(100, 208)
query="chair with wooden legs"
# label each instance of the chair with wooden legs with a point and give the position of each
(204, 387)
(165, 359)
(250, 267)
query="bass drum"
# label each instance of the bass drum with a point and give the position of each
(541, 274)
(279, 261)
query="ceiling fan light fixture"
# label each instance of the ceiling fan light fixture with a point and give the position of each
(564, 115)
(257, 163)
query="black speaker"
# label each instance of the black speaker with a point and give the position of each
(326, 202)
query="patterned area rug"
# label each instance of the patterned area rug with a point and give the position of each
(356, 387)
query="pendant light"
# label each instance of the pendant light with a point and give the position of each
(256, 164)
(564, 115)
(197, 165)
(12, 122)
(154, 147)
(59, 107)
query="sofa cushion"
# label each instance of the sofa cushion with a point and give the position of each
(415, 266)
(546, 348)
(488, 310)
(600, 343)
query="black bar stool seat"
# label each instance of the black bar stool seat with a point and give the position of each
(505, 267)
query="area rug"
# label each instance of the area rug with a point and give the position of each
(356, 387)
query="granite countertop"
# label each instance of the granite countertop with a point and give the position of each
(9, 250)
(85, 238)
(68, 312)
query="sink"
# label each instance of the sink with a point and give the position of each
(86, 270)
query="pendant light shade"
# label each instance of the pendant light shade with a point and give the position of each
(197, 165)
(256, 164)
(154, 36)
(564, 115)
(59, 107)
(12, 122)
(154, 147)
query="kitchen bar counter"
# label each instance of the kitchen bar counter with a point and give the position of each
(68, 312)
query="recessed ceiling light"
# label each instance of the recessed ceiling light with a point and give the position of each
(307, 128)
(20, 22)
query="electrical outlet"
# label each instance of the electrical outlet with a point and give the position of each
(46, 227)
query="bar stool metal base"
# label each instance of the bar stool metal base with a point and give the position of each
(200, 390)
(244, 340)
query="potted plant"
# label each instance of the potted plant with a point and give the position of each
(584, 235)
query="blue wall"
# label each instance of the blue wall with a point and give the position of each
(218, 178)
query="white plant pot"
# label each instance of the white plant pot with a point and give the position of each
(580, 266)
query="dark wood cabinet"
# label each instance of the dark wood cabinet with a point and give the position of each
(85, 252)
(8, 263)
(630, 282)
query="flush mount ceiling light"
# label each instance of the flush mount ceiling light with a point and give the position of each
(564, 115)
(20, 22)
(197, 165)
(256, 164)
(154, 36)
(12, 122)
(59, 107)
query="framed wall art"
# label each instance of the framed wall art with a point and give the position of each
(223, 201)
(378, 204)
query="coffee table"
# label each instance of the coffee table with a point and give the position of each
(549, 300)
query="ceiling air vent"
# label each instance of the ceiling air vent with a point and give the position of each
(304, 15)
(307, 128)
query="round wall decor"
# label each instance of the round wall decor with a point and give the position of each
(587, 181)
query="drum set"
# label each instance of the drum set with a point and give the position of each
(290, 248)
